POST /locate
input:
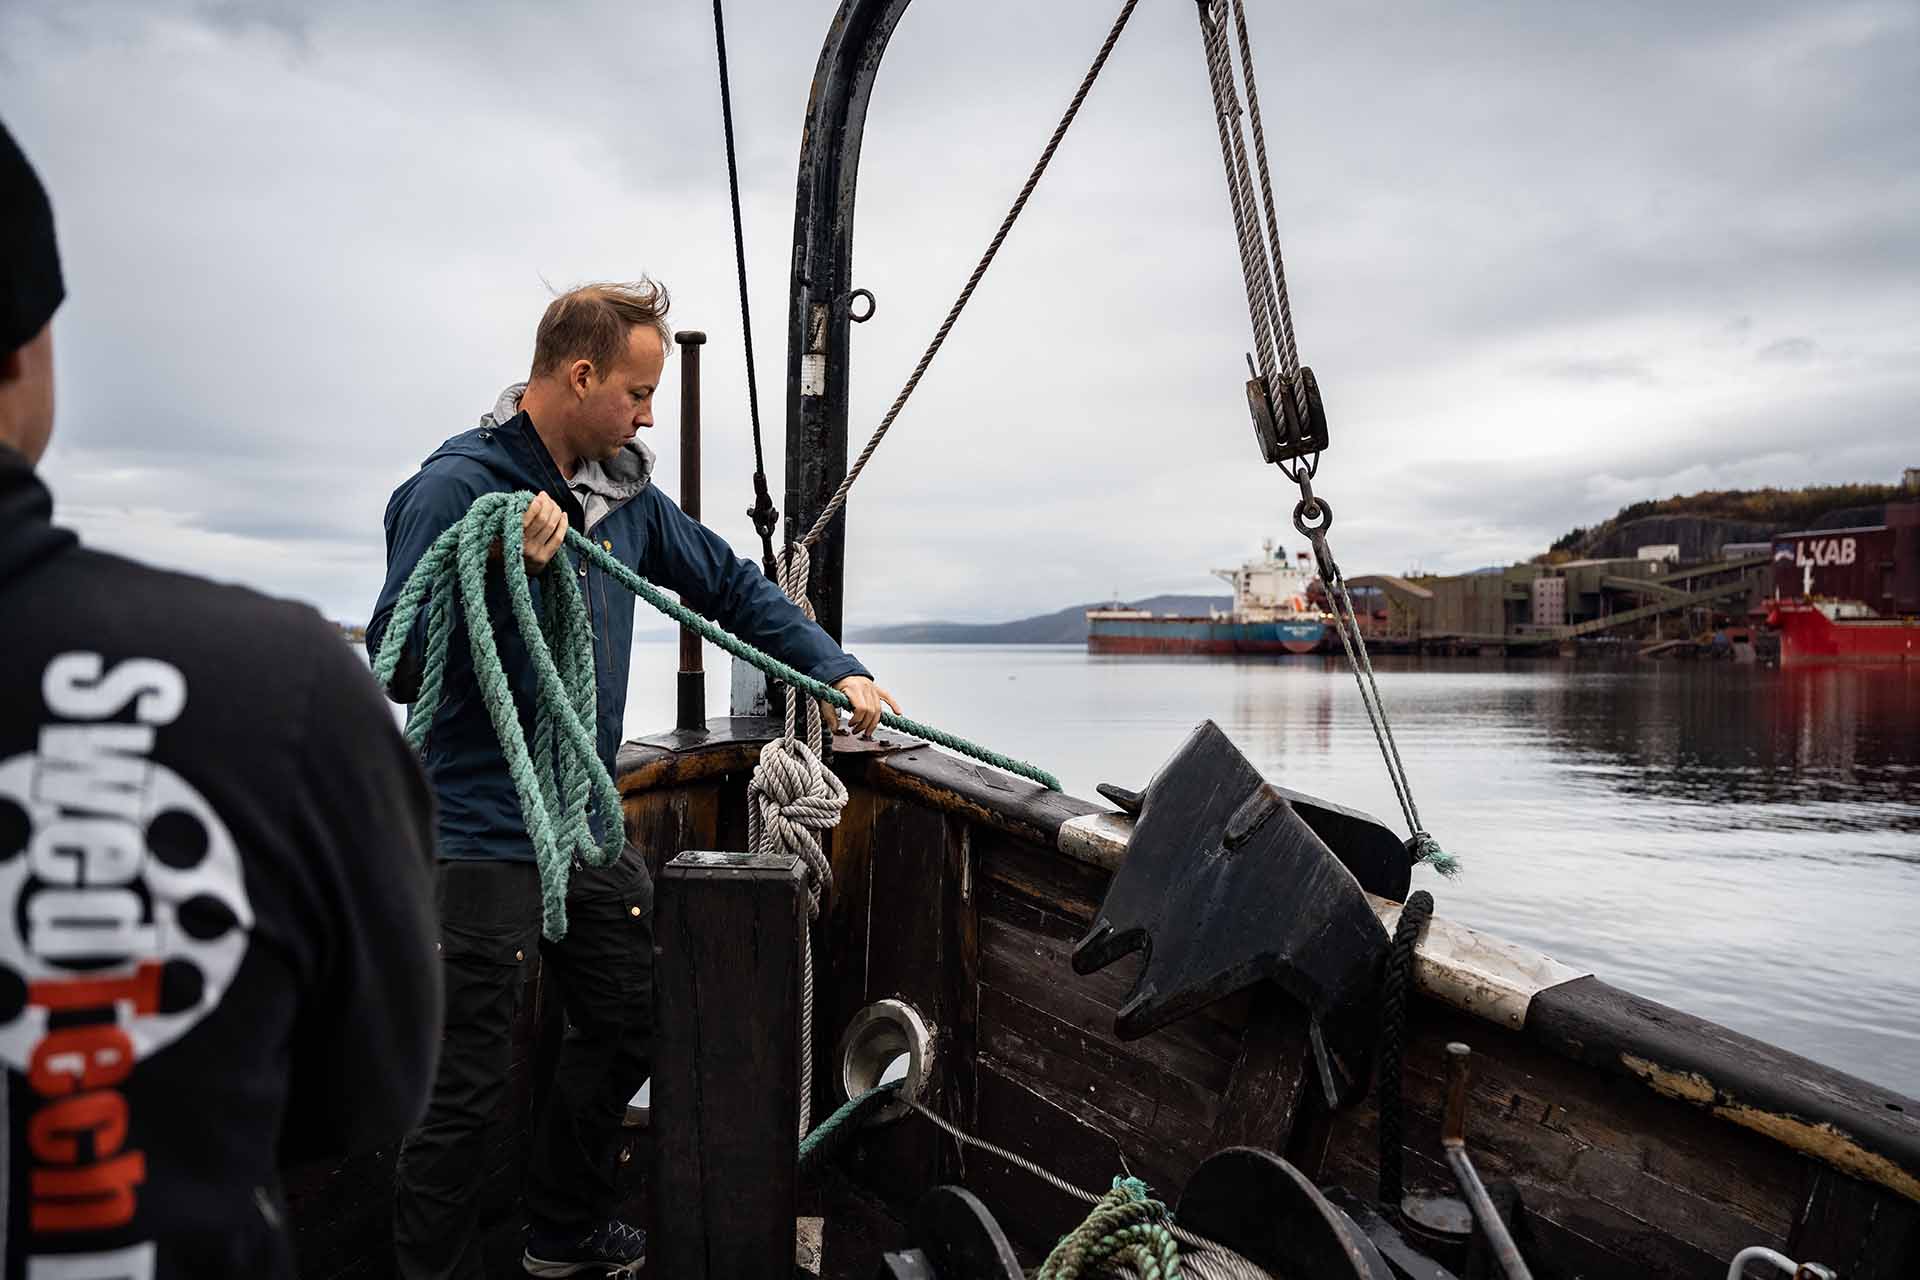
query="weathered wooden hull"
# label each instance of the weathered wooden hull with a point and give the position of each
(1642, 1141)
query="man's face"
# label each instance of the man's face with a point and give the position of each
(619, 404)
(26, 395)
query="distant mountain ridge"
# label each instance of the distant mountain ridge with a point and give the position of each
(1064, 626)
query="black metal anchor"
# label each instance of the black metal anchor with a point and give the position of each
(1227, 883)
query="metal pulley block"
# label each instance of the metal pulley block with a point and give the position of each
(1292, 425)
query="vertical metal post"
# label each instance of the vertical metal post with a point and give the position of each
(693, 679)
(726, 1071)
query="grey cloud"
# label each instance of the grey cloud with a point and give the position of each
(1788, 351)
(1607, 369)
(283, 18)
(1539, 255)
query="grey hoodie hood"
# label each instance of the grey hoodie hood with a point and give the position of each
(600, 486)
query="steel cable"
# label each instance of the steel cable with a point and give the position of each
(1253, 267)
(1289, 344)
(1346, 622)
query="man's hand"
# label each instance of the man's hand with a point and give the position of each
(543, 528)
(866, 697)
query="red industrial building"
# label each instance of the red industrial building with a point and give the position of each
(1843, 595)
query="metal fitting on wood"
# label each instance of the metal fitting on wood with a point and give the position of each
(875, 1041)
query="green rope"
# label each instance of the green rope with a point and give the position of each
(1126, 1233)
(831, 1136)
(1126, 1229)
(787, 675)
(1426, 849)
(559, 778)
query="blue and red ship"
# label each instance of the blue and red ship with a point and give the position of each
(1276, 609)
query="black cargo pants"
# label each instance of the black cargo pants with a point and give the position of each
(489, 930)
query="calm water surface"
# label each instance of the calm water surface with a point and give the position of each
(1741, 843)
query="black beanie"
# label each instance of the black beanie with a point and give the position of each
(30, 287)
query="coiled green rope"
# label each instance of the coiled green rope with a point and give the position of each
(1127, 1232)
(1127, 1229)
(559, 778)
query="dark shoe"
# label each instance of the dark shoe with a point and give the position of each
(614, 1248)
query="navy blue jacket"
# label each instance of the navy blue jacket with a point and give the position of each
(479, 811)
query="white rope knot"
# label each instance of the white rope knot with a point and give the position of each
(793, 797)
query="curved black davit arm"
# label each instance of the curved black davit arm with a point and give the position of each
(818, 318)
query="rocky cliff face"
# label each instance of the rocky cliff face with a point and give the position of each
(1698, 537)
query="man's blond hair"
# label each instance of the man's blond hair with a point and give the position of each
(591, 323)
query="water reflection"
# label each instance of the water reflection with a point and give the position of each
(1735, 841)
(1832, 749)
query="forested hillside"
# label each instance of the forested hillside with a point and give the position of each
(1702, 522)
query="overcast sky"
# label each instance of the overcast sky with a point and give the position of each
(1546, 259)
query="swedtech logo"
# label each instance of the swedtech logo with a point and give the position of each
(123, 917)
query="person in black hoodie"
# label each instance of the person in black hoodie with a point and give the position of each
(216, 922)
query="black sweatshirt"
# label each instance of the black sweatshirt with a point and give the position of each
(216, 920)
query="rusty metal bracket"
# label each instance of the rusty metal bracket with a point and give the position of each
(1226, 884)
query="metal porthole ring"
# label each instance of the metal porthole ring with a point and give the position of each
(874, 1041)
(861, 317)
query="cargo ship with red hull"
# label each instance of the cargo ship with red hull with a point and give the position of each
(1849, 595)
(1275, 610)
(1826, 631)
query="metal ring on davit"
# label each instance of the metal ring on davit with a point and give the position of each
(876, 1038)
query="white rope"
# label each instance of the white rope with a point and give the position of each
(792, 797)
(795, 796)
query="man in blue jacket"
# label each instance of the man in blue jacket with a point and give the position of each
(569, 435)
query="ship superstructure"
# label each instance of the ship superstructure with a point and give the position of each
(1274, 610)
